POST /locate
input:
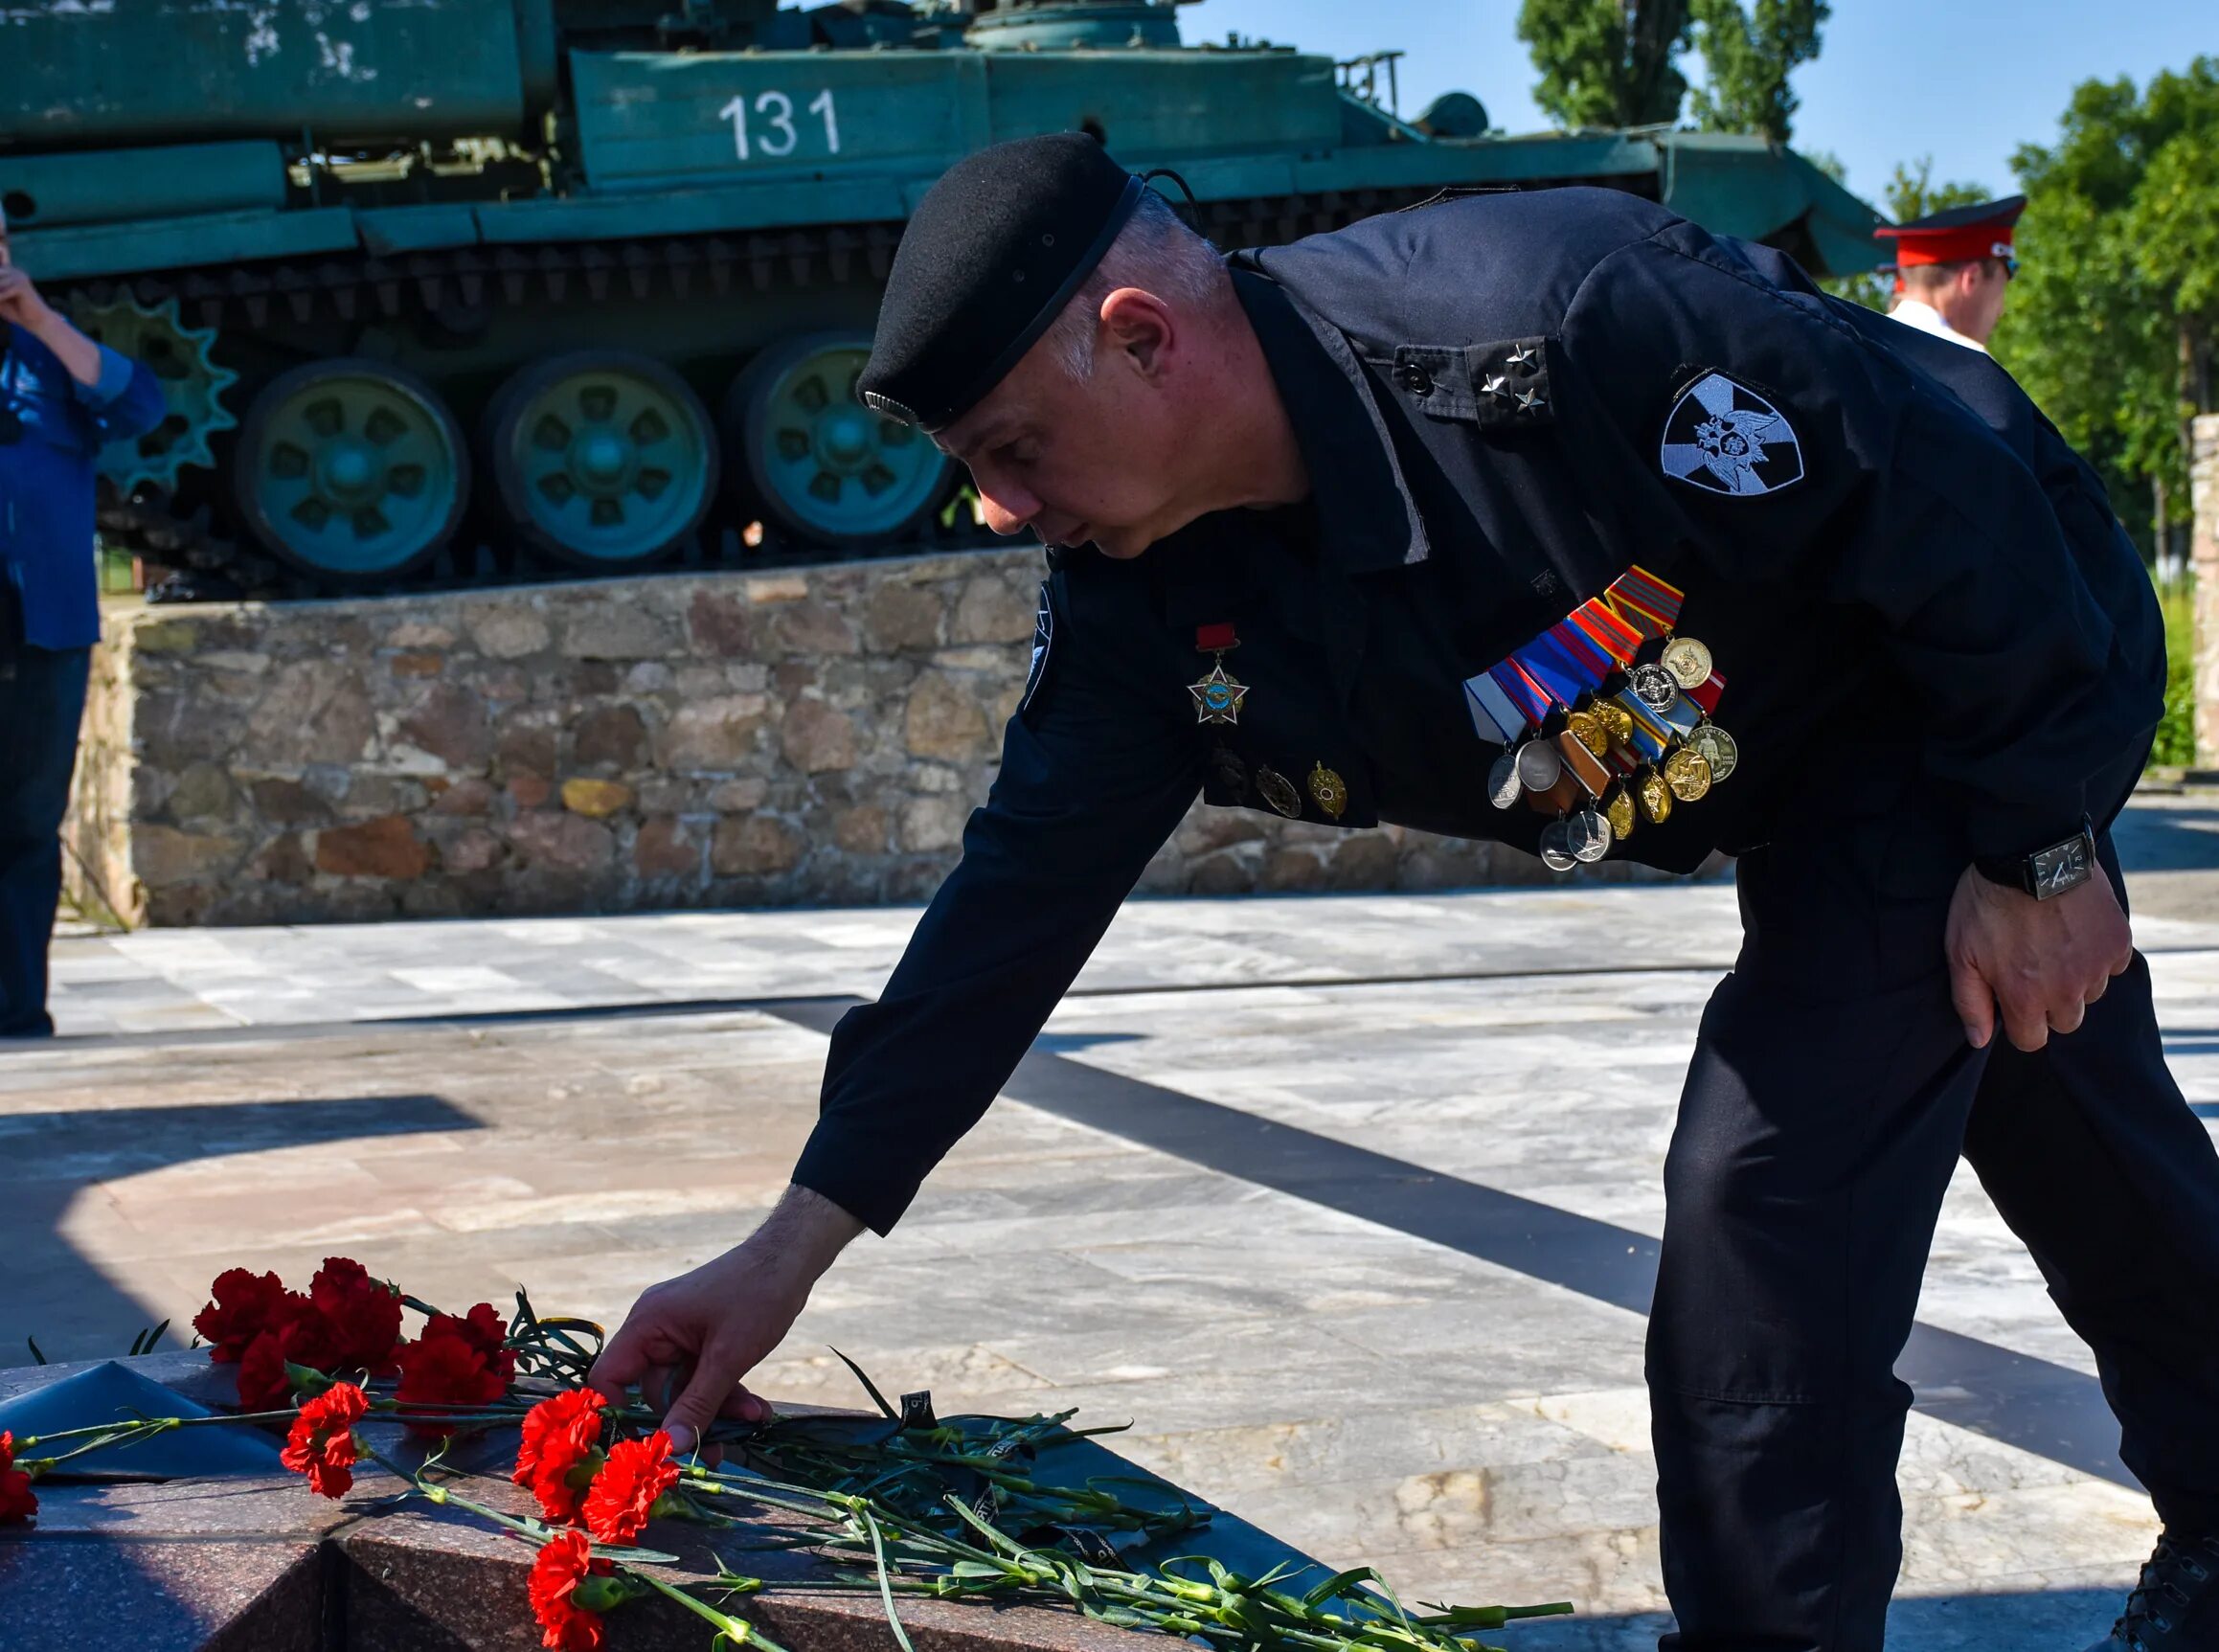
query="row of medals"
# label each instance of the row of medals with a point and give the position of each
(1703, 756)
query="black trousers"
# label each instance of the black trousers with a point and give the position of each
(1830, 1094)
(42, 695)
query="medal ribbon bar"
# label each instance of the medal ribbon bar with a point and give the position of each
(1644, 601)
(1491, 710)
(1531, 699)
(1594, 660)
(1607, 631)
(1545, 660)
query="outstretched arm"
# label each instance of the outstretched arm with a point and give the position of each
(1097, 770)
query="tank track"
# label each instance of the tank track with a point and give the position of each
(154, 521)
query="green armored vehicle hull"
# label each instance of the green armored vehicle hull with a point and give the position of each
(469, 289)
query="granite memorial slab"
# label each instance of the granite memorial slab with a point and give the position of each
(239, 1557)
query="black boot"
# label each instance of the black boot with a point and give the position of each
(2175, 1607)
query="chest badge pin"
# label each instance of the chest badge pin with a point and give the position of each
(1329, 791)
(1218, 695)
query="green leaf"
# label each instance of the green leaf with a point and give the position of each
(1338, 1584)
(869, 1386)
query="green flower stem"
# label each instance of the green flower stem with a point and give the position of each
(147, 1427)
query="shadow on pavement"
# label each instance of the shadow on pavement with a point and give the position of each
(2167, 839)
(48, 1159)
(2048, 1620)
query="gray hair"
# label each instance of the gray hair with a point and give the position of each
(1155, 252)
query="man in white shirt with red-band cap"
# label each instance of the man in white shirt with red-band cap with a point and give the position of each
(1953, 268)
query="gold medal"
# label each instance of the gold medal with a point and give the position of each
(1688, 661)
(1656, 797)
(1588, 730)
(1329, 790)
(1618, 809)
(1616, 721)
(1718, 750)
(1278, 791)
(1687, 775)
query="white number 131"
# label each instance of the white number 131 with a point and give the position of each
(778, 110)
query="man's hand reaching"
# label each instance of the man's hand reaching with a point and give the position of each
(2041, 963)
(688, 1341)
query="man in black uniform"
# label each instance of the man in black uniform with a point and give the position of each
(1551, 518)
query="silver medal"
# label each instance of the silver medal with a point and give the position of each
(1654, 685)
(1588, 835)
(1557, 848)
(1539, 767)
(1503, 788)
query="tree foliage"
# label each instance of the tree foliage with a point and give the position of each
(1617, 62)
(1747, 59)
(1607, 62)
(2110, 324)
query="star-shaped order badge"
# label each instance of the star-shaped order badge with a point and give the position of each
(1217, 696)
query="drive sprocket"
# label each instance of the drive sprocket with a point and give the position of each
(192, 386)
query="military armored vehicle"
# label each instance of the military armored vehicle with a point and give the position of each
(465, 290)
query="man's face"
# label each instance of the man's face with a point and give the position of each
(1078, 463)
(1976, 297)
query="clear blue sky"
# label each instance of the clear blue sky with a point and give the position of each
(1964, 80)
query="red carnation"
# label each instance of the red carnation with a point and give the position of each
(17, 1503)
(322, 1443)
(244, 1306)
(560, 1450)
(565, 1562)
(301, 1336)
(448, 1371)
(481, 1328)
(623, 1494)
(362, 1315)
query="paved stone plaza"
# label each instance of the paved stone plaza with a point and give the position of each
(1348, 1203)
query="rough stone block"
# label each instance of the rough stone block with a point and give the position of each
(612, 737)
(468, 795)
(668, 847)
(450, 723)
(810, 627)
(549, 840)
(387, 846)
(719, 624)
(816, 738)
(508, 629)
(613, 628)
(165, 855)
(903, 619)
(718, 733)
(597, 799)
(757, 846)
(929, 824)
(993, 610)
(861, 831)
(285, 802)
(527, 790)
(203, 794)
(943, 720)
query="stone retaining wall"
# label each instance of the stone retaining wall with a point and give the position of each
(675, 740)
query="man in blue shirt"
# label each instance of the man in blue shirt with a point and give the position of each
(62, 397)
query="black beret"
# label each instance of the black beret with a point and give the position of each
(991, 256)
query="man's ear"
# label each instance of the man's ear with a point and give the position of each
(1140, 326)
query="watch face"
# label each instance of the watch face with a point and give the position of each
(2060, 867)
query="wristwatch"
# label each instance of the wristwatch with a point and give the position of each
(2047, 871)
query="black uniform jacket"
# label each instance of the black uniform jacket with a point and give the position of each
(1917, 594)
